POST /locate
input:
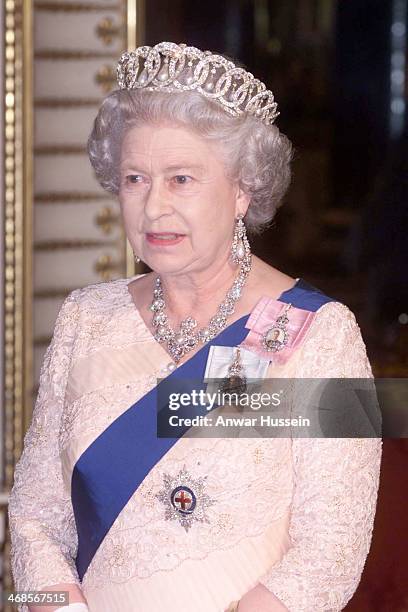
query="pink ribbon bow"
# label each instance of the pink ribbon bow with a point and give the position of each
(263, 318)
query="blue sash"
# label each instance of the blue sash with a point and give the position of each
(111, 469)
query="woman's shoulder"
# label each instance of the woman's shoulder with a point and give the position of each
(104, 295)
(327, 308)
(330, 313)
(336, 320)
(301, 293)
(306, 296)
(333, 345)
(331, 322)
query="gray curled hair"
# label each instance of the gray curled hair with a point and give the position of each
(256, 155)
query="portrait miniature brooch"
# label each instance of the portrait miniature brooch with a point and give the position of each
(276, 337)
(276, 329)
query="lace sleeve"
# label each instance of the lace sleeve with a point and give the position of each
(335, 494)
(41, 521)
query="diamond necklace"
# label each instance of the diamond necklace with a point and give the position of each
(184, 339)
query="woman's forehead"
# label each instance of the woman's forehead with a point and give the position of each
(163, 135)
(166, 146)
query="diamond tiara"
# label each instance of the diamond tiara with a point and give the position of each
(171, 67)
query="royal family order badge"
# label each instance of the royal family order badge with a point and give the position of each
(185, 499)
(276, 337)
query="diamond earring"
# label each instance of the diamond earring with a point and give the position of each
(240, 245)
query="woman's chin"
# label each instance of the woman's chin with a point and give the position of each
(165, 265)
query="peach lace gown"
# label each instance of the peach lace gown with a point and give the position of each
(296, 515)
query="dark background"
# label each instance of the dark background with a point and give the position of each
(330, 65)
(338, 70)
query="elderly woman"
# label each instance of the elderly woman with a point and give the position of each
(102, 506)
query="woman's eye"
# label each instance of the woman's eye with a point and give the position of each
(182, 179)
(134, 178)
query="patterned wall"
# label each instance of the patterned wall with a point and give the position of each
(62, 231)
(77, 237)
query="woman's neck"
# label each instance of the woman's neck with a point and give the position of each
(198, 294)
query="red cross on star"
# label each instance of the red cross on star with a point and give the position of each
(181, 499)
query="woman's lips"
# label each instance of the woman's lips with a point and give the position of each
(164, 238)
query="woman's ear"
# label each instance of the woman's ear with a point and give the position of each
(242, 201)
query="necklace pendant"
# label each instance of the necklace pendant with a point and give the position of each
(191, 341)
(188, 324)
(176, 347)
(180, 344)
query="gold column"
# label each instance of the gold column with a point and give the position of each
(18, 200)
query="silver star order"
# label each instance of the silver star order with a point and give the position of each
(203, 501)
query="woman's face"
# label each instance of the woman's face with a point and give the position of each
(177, 204)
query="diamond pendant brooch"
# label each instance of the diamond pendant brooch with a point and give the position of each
(235, 381)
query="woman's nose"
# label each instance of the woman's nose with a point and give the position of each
(157, 200)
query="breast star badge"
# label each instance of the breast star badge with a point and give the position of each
(184, 499)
